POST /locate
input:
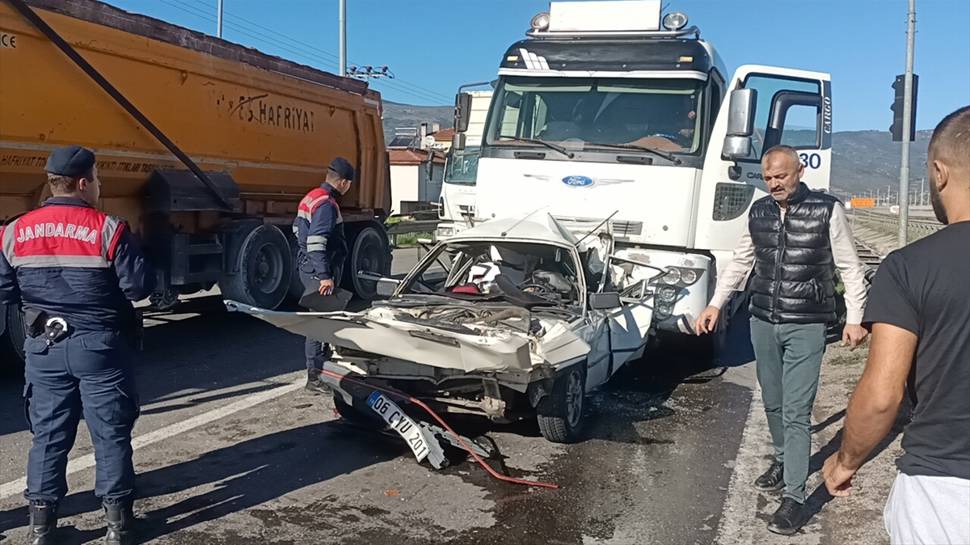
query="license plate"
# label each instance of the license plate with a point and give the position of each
(407, 428)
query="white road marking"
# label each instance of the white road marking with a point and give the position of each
(17, 486)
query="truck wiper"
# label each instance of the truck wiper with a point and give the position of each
(662, 154)
(549, 145)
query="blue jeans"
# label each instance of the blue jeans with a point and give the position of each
(789, 358)
(86, 373)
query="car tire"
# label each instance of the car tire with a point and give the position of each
(354, 416)
(561, 413)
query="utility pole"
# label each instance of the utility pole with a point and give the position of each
(343, 38)
(219, 19)
(907, 121)
(922, 191)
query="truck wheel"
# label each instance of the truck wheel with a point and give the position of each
(369, 252)
(13, 338)
(265, 269)
(560, 414)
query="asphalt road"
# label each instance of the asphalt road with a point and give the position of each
(230, 449)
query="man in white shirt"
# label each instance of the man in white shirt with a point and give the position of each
(796, 239)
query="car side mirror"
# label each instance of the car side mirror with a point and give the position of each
(741, 112)
(604, 301)
(385, 286)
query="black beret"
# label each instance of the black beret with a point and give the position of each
(73, 161)
(343, 168)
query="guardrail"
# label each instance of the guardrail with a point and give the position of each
(888, 223)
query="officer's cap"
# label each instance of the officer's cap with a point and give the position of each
(342, 168)
(73, 161)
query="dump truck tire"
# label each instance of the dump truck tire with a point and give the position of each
(12, 340)
(561, 412)
(369, 251)
(265, 269)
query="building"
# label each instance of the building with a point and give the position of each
(416, 176)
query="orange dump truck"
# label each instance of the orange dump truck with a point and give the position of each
(204, 146)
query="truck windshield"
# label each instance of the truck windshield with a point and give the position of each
(661, 114)
(462, 166)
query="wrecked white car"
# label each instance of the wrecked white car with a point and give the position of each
(511, 319)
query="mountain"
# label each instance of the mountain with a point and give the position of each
(401, 116)
(861, 160)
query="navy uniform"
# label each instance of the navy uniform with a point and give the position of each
(322, 249)
(76, 270)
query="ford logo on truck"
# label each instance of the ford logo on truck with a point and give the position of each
(577, 181)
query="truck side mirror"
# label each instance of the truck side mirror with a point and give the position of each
(458, 141)
(463, 107)
(737, 141)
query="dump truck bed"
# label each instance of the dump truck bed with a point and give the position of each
(272, 124)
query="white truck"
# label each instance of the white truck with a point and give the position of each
(456, 207)
(608, 111)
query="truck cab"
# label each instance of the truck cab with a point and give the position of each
(608, 113)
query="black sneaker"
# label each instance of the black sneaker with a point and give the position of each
(789, 517)
(773, 479)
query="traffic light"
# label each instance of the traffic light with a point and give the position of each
(899, 86)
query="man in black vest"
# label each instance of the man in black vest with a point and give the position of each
(795, 240)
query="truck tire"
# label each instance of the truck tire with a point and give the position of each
(12, 339)
(369, 251)
(265, 269)
(561, 412)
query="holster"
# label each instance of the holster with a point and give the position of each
(36, 321)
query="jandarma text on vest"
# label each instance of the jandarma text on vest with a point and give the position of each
(70, 231)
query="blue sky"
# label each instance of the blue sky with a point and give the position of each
(433, 46)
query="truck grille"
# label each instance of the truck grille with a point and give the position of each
(622, 228)
(731, 200)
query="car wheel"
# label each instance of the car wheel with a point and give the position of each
(561, 412)
(354, 416)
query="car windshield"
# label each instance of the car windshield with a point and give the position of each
(661, 114)
(462, 166)
(528, 275)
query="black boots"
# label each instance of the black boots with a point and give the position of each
(316, 385)
(119, 518)
(789, 517)
(773, 479)
(43, 523)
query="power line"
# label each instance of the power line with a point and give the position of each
(330, 59)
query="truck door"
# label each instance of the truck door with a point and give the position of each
(791, 107)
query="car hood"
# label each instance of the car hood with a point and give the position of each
(456, 335)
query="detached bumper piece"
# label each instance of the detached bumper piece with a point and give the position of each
(427, 441)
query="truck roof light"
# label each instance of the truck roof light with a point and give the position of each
(674, 21)
(540, 22)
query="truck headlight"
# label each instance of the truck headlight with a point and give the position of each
(678, 276)
(540, 22)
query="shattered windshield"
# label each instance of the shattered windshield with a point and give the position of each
(661, 114)
(527, 275)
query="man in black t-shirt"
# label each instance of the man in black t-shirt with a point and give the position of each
(919, 312)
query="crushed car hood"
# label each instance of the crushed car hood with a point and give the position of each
(464, 336)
